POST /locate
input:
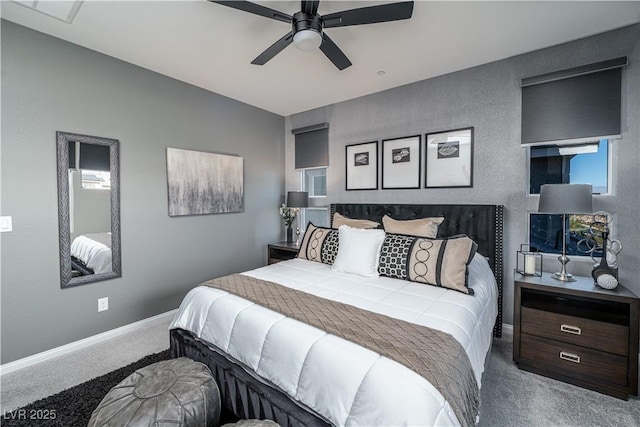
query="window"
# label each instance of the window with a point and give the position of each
(97, 180)
(571, 164)
(314, 181)
(545, 233)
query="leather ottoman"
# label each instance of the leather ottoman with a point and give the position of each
(176, 392)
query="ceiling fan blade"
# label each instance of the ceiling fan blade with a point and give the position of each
(274, 49)
(309, 7)
(333, 52)
(256, 9)
(369, 15)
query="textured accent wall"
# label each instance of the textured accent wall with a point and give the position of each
(50, 85)
(488, 98)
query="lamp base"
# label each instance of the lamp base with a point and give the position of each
(564, 277)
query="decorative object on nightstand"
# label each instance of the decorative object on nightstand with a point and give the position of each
(565, 199)
(528, 262)
(577, 333)
(605, 276)
(289, 215)
(295, 201)
(605, 270)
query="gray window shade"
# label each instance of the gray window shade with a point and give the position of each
(312, 146)
(94, 157)
(573, 105)
(72, 154)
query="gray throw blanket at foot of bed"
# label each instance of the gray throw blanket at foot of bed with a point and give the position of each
(433, 354)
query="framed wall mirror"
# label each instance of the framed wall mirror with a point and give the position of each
(88, 208)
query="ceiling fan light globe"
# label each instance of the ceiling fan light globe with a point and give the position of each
(307, 40)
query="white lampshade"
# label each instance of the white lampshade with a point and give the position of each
(566, 199)
(307, 39)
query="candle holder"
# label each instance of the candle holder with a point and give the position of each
(528, 261)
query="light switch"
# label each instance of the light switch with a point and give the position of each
(5, 224)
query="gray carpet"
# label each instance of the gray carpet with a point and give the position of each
(511, 397)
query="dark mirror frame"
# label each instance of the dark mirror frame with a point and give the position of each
(62, 141)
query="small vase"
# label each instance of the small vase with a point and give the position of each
(289, 234)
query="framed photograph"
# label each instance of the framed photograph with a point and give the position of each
(204, 183)
(362, 166)
(401, 162)
(449, 159)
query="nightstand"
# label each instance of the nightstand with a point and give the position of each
(578, 333)
(282, 251)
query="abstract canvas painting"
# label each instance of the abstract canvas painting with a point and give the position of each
(204, 183)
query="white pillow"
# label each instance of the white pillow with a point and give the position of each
(358, 251)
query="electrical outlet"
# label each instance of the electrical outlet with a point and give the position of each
(103, 304)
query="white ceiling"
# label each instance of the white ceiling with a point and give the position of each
(211, 46)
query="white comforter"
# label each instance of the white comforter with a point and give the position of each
(343, 382)
(92, 249)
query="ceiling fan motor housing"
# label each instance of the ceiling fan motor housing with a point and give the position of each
(307, 31)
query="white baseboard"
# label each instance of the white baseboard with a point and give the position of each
(83, 343)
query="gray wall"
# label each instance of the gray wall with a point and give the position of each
(488, 98)
(50, 85)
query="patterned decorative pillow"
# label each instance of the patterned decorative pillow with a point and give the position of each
(394, 256)
(422, 227)
(439, 262)
(339, 220)
(319, 244)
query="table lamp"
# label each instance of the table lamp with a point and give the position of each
(565, 199)
(297, 199)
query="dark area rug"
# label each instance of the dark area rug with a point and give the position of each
(73, 406)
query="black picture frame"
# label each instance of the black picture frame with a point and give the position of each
(449, 159)
(401, 158)
(361, 166)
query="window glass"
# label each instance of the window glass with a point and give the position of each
(98, 180)
(570, 164)
(315, 182)
(318, 216)
(583, 233)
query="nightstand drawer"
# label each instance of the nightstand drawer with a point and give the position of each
(590, 333)
(574, 361)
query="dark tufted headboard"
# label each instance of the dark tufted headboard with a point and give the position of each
(482, 223)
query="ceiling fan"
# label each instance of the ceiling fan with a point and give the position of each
(307, 26)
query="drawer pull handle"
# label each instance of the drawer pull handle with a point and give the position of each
(571, 329)
(569, 357)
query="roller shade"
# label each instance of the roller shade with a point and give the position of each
(94, 157)
(72, 154)
(312, 146)
(573, 106)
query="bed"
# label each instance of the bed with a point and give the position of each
(91, 253)
(287, 368)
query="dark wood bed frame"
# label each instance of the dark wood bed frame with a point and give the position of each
(249, 398)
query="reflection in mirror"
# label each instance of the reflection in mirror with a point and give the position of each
(89, 208)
